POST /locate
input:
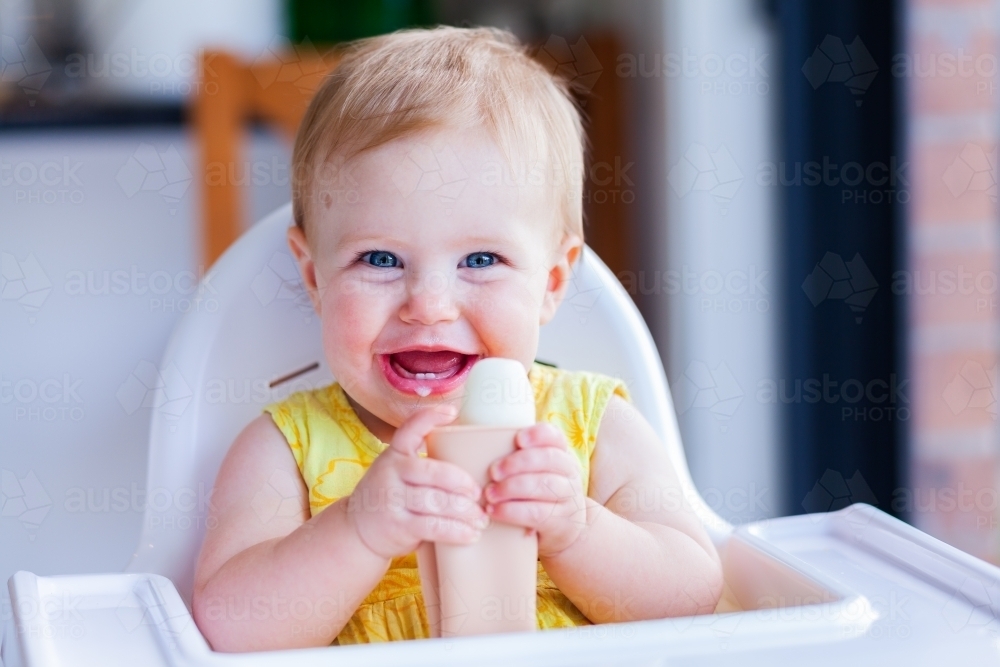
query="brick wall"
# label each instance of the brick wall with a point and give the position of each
(949, 70)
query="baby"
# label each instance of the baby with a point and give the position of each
(437, 195)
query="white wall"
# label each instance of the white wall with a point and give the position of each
(152, 46)
(70, 208)
(702, 121)
(721, 233)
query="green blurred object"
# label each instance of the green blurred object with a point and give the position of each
(332, 21)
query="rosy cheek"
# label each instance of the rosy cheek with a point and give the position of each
(346, 320)
(358, 314)
(505, 318)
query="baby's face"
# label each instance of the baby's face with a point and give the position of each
(432, 260)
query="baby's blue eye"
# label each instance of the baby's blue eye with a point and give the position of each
(382, 259)
(479, 260)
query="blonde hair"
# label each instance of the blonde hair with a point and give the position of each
(395, 85)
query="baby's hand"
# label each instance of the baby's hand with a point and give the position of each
(404, 499)
(538, 486)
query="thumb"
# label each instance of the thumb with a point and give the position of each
(411, 433)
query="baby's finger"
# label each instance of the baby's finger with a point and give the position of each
(440, 474)
(528, 513)
(541, 434)
(430, 528)
(430, 501)
(411, 433)
(536, 459)
(530, 486)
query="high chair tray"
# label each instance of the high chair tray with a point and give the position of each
(845, 588)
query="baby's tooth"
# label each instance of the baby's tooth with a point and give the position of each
(423, 391)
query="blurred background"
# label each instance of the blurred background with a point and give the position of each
(800, 196)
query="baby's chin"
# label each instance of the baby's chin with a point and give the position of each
(393, 408)
(394, 412)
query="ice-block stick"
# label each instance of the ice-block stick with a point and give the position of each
(489, 586)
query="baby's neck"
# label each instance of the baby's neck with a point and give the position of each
(380, 429)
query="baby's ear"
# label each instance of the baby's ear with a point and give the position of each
(560, 275)
(299, 246)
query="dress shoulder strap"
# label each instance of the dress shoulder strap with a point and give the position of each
(574, 402)
(331, 446)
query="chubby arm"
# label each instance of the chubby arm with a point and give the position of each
(271, 577)
(268, 575)
(632, 549)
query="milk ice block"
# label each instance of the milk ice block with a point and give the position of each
(497, 393)
(489, 586)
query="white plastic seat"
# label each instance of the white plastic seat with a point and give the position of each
(216, 372)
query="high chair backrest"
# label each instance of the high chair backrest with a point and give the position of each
(251, 337)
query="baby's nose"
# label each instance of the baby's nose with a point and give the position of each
(430, 299)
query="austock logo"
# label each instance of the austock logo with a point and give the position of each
(973, 387)
(973, 606)
(834, 279)
(576, 63)
(703, 170)
(280, 281)
(300, 65)
(834, 62)
(832, 492)
(24, 499)
(150, 170)
(25, 282)
(973, 170)
(427, 170)
(147, 387)
(23, 64)
(278, 497)
(144, 606)
(583, 292)
(714, 389)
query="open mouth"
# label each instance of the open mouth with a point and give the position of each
(426, 372)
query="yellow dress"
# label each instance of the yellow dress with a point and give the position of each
(333, 449)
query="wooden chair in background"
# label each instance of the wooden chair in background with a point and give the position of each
(275, 89)
(609, 189)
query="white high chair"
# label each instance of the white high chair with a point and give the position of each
(854, 585)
